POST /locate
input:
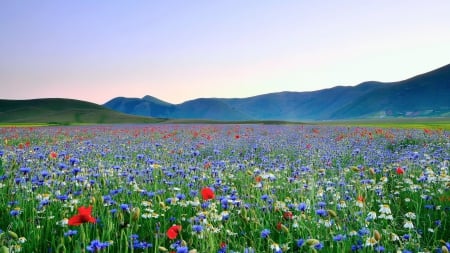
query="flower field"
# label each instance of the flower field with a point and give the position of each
(224, 188)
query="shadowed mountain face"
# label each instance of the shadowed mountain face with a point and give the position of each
(426, 95)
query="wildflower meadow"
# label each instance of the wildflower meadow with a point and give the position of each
(224, 188)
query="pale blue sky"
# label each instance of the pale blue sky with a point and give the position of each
(181, 50)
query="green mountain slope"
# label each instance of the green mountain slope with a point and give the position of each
(63, 111)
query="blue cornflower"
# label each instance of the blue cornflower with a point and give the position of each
(437, 223)
(322, 212)
(363, 231)
(223, 248)
(339, 238)
(125, 207)
(358, 246)
(96, 245)
(265, 233)
(321, 204)
(181, 196)
(14, 212)
(71, 233)
(45, 173)
(205, 205)
(379, 248)
(25, 170)
(44, 202)
(302, 207)
(224, 203)
(138, 244)
(197, 228)
(318, 246)
(141, 245)
(74, 161)
(182, 249)
(62, 197)
(75, 171)
(300, 242)
(429, 207)
(62, 166)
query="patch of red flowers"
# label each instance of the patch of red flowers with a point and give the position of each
(173, 231)
(287, 215)
(207, 193)
(83, 216)
(400, 171)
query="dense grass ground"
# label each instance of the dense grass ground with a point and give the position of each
(271, 188)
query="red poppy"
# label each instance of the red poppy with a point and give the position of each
(83, 216)
(207, 193)
(53, 154)
(361, 198)
(400, 171)
(279, 226)
(287, 215)
(237, 136)
(173, 231)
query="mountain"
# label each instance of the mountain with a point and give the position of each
(147, 106)
(62, 111)
(425, 95)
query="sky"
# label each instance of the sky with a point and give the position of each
(178, 50)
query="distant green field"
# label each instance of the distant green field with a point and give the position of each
(60, 112)
(418, 123)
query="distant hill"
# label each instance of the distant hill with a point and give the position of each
(425, 95)
(62, 111)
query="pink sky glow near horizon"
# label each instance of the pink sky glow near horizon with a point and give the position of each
(182, 50)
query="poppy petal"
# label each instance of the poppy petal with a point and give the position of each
(173, 231)
(75, 220)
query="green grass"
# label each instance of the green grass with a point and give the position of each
(416, 123)
(62, 112)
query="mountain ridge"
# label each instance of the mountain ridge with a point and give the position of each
(423, 95)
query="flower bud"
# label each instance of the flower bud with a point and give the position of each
(377, 235)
